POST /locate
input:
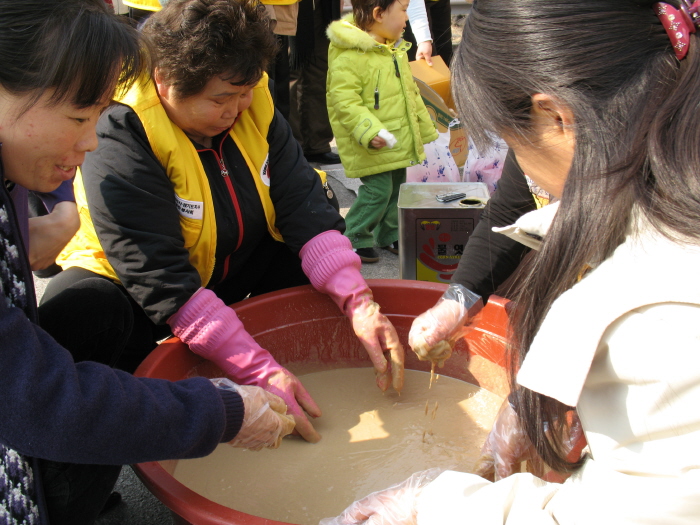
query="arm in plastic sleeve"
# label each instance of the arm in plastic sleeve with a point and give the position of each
(507, 446)
(213, 331)
(434, 332)
(393, 506)
(265, 422)
(334, 269)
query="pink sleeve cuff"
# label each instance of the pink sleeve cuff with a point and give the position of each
(203, 322)
(325, 255)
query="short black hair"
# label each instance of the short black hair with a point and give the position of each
(77, 49)
(194, 40)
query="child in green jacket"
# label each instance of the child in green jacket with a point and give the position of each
(378, 117)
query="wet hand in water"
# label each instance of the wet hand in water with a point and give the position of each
(299, 402)
(379, 337)
(434, 333)
(265, 422)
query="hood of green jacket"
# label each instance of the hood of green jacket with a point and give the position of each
(345, 34)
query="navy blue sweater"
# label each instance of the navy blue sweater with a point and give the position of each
(55, 409)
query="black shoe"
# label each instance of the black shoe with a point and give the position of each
(323, 158)
(367, 255)
(113, 500)
(393, 247)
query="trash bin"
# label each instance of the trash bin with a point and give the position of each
(433, 234)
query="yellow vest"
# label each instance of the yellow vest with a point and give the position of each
(155, 5)
(178, 156)
(279, 2)
(146, 5)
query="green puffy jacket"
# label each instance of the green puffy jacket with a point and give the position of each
(369, 88)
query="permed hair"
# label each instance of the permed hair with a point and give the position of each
(194, 40)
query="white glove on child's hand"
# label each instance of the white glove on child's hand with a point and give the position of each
(388, 137)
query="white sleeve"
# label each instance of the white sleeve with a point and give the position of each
(418, 18)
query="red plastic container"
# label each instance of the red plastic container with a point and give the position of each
(305, 329)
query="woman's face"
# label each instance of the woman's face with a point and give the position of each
(547, 156)
(43, 146)
(208, 113)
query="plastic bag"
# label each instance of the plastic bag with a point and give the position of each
(486, 167)
(438, 166)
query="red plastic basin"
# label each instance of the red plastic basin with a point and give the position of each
(304, 329)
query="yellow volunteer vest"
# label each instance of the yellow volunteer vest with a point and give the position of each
(279, 2)
(147, 5)
(180, 159)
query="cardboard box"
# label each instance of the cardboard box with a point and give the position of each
(436, 76)
(445, 119)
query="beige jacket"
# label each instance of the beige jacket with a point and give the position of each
(623, 346)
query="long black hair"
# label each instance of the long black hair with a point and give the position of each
(75, 49)
(637, 130)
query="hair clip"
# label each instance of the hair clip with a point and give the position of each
(679, 23)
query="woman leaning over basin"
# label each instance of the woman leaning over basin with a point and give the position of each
(197, 196)
(600, 104)
(66, 428)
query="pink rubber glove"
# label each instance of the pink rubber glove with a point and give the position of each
(434, 333)
(213, 331)
(393, 506)
(334, 269)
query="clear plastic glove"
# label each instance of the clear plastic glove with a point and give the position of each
(433, 333)
(507, 446)
(379, 337)
(393, 506)
(264, 423)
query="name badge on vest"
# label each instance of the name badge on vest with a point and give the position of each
(190, 209)
(265, 171)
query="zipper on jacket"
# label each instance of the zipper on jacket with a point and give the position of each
(396, 66)
(219, 156)
(376, 91)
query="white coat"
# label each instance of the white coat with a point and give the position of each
(623, 346)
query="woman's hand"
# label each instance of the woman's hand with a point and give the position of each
(379, 337)
(425, 51)
(264, 422)
(433, 333)
(49, 234)
(393, 506)
(299, 402)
